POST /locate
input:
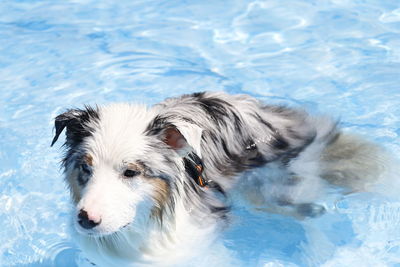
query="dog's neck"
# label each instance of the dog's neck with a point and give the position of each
(194, 168)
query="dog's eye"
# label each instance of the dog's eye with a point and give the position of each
(85, 168)
(84, 173)
(131, 173)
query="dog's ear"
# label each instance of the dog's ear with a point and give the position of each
(174, 138)
(180, 135)
(75, 120)
(183, 138)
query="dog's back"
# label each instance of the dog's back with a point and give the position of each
(301, 151)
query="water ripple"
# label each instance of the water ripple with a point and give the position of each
(338, 57)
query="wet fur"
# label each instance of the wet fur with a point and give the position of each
(280, 157)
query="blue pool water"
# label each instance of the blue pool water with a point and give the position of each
(340, 57)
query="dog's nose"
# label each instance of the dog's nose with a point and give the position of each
(85, 221)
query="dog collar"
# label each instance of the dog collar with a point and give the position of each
(194, 167)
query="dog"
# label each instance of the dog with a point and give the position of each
(150, 184)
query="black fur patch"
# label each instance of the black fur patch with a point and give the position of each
(76, 121)
(266, 123)
(279, 142)
(216, 108)
(159, 124)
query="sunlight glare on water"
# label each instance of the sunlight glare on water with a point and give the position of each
(337, 57)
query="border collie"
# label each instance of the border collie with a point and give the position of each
(150, 184)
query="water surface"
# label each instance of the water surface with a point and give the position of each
(337, 57)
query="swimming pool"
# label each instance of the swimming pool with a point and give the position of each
(338, 57)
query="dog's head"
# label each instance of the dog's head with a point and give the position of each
(123, 163)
